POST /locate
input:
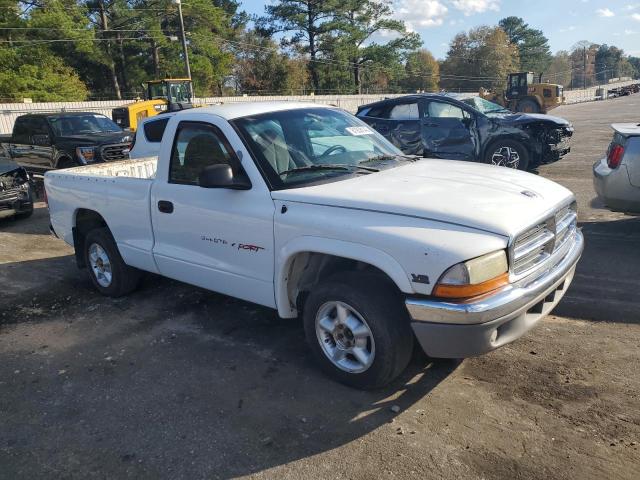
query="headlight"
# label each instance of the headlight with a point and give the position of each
(85, 154)
(474, 277)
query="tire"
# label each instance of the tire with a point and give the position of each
(373, 308)
(108, 272)
(502, 153)
(24, 215)
(528, 106)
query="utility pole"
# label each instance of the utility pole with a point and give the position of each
(185, 53)
(584, 67)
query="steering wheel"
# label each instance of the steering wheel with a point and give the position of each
(333, 149)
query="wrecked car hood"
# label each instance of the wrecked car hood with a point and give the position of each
(484, 197)
(528, 118)
(7, 166)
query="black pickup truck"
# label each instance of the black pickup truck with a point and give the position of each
(45, 141)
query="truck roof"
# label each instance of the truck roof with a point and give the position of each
(59, 114)
(229, 111)
(627, 129)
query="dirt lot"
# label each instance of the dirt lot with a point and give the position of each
(176, 382)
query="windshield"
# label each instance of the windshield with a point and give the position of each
(178, 91)
(66, 125)
(485, 106)
(306, 145)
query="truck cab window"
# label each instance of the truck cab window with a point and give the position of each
(196, 147)
(21, 131)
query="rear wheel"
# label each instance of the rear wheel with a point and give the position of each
(108, 272)
(358, 329)
(508, 153)
(528, 106)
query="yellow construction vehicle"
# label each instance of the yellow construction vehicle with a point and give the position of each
(524, 94)
(169, 94)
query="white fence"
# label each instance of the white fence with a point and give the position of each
(10, 111)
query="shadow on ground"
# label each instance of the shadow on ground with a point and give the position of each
(607, 284)
(172, 382)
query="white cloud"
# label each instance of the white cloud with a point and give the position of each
(469, 7)
(420, 13)
(570, 28)
(636, 16)
(605, 12)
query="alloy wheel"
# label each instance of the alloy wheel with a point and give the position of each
(345, 337)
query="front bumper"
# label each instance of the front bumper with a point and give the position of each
(459, 330)
(15, 204)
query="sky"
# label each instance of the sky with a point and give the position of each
(564, 22)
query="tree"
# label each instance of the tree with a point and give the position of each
(635, 64)
(356, 22)
(560, 69)
(533, 46)
(261, 69)
(307, 20)
(610, 62)
(483, 57)
(583, 61)
(422, 72)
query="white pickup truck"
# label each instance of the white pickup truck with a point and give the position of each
(305, 209)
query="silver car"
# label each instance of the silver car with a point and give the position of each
(617, 176)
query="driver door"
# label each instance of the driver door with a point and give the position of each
(217, 238)
(448, 132)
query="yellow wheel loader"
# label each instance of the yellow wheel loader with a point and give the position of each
(167, 95)
(524, 94)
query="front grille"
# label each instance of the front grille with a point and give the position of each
(534, 246)
(110, 153)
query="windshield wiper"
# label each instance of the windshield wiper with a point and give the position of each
(335, 167)
(382, 158)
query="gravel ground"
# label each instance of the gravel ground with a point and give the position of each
(177, 382)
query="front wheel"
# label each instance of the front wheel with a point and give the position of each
(108, 272)
(528, 106)
(358, 330)
(508, 153)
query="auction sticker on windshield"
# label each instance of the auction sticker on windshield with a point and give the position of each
(359, 131)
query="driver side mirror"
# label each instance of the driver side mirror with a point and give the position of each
(221, 176)
(41, 140)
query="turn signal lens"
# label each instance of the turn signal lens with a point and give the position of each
(615, 156)
(474, 277)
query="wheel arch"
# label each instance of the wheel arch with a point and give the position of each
(84, 220)
(305, 261)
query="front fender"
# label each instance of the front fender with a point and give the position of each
(339, 248)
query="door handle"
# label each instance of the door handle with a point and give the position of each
(165, 206)
(427, 124)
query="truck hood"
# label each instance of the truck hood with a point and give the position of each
(484, 197)
(103, 138)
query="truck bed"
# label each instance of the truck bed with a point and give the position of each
(119, 192)
(139, 168)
